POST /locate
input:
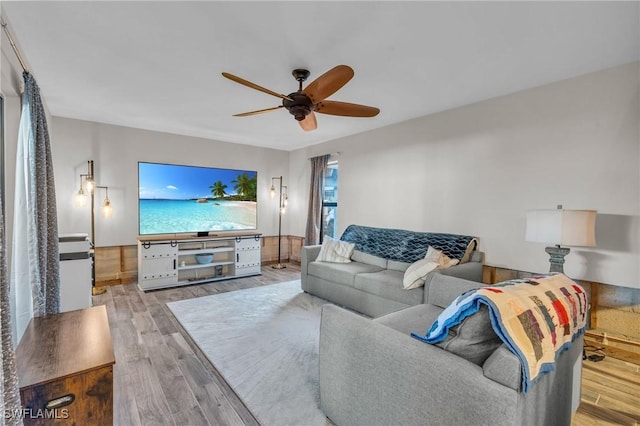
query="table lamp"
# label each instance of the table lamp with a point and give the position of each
(561, 228)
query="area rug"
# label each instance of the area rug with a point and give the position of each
(264, 342)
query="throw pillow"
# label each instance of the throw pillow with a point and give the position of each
(469, 251)
(473, 339)
(415, 274)
(335, 251)
(443, 261)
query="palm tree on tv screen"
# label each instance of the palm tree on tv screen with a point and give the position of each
(246, 187)
(218, 189)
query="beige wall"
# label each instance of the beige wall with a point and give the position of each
(116, 151)
(477, 169)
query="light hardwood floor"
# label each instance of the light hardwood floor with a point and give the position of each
(610, 389)
(161, 378)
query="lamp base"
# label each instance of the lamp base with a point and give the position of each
(95, 291)
(279, 266)
(556, 258)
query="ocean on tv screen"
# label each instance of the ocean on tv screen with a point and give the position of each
(160, 216)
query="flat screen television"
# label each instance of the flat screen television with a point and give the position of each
(174, 199)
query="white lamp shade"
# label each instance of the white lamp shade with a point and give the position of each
(562, 227)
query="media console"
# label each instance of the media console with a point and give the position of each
(170, 262)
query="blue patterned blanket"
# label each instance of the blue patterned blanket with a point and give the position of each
(537, 319)
(404, 246)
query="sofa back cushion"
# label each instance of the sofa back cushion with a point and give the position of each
(394, 265)
(369, 259)
(405, 246)
(473, 339)
(443, 289)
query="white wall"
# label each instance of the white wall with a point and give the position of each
(116, 151)
(477, 169)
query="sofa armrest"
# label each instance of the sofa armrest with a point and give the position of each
(373, 374)
(504, 367)
(308, 254)
(477, 256)
(441, 289)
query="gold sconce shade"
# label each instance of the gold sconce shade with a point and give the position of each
(107, 210)
(80, 198)
(89, 184)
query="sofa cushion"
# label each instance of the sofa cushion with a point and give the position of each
(369, 259)
(340, 273)
(388, 284)
(473, 339)
(395, 265)
(414, 319)
(335, 251)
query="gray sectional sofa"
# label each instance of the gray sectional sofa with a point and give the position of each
(372, 372)
(372, 282)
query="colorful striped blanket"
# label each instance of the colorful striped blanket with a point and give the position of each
(537, 318)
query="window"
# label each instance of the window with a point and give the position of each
(330, 201)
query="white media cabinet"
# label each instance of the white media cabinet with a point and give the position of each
(170, 262)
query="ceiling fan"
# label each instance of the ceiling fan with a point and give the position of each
(303, 103)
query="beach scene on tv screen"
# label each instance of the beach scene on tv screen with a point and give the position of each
(180, 199)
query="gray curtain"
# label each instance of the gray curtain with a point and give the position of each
(48, 290)
(8, 375)
(318, 167)
(35, 260)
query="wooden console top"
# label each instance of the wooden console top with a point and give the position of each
(183, 237)
(63, 345)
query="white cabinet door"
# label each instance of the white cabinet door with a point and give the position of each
(247, 256)
(158, 265)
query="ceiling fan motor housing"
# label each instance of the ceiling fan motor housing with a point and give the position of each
(300, 106)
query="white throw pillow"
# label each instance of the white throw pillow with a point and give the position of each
(440, 258)
(414, 275)
(335, 251)
(469, 251)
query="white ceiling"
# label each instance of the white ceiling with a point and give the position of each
(156, 65)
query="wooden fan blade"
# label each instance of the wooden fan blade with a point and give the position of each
(346, 109)
(328, 83)
(309, 123)
(260, 111)
(254, 86)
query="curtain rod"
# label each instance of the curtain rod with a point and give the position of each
(333, 154)
(13, 45)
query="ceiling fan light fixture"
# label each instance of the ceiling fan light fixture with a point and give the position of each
(299, 112)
